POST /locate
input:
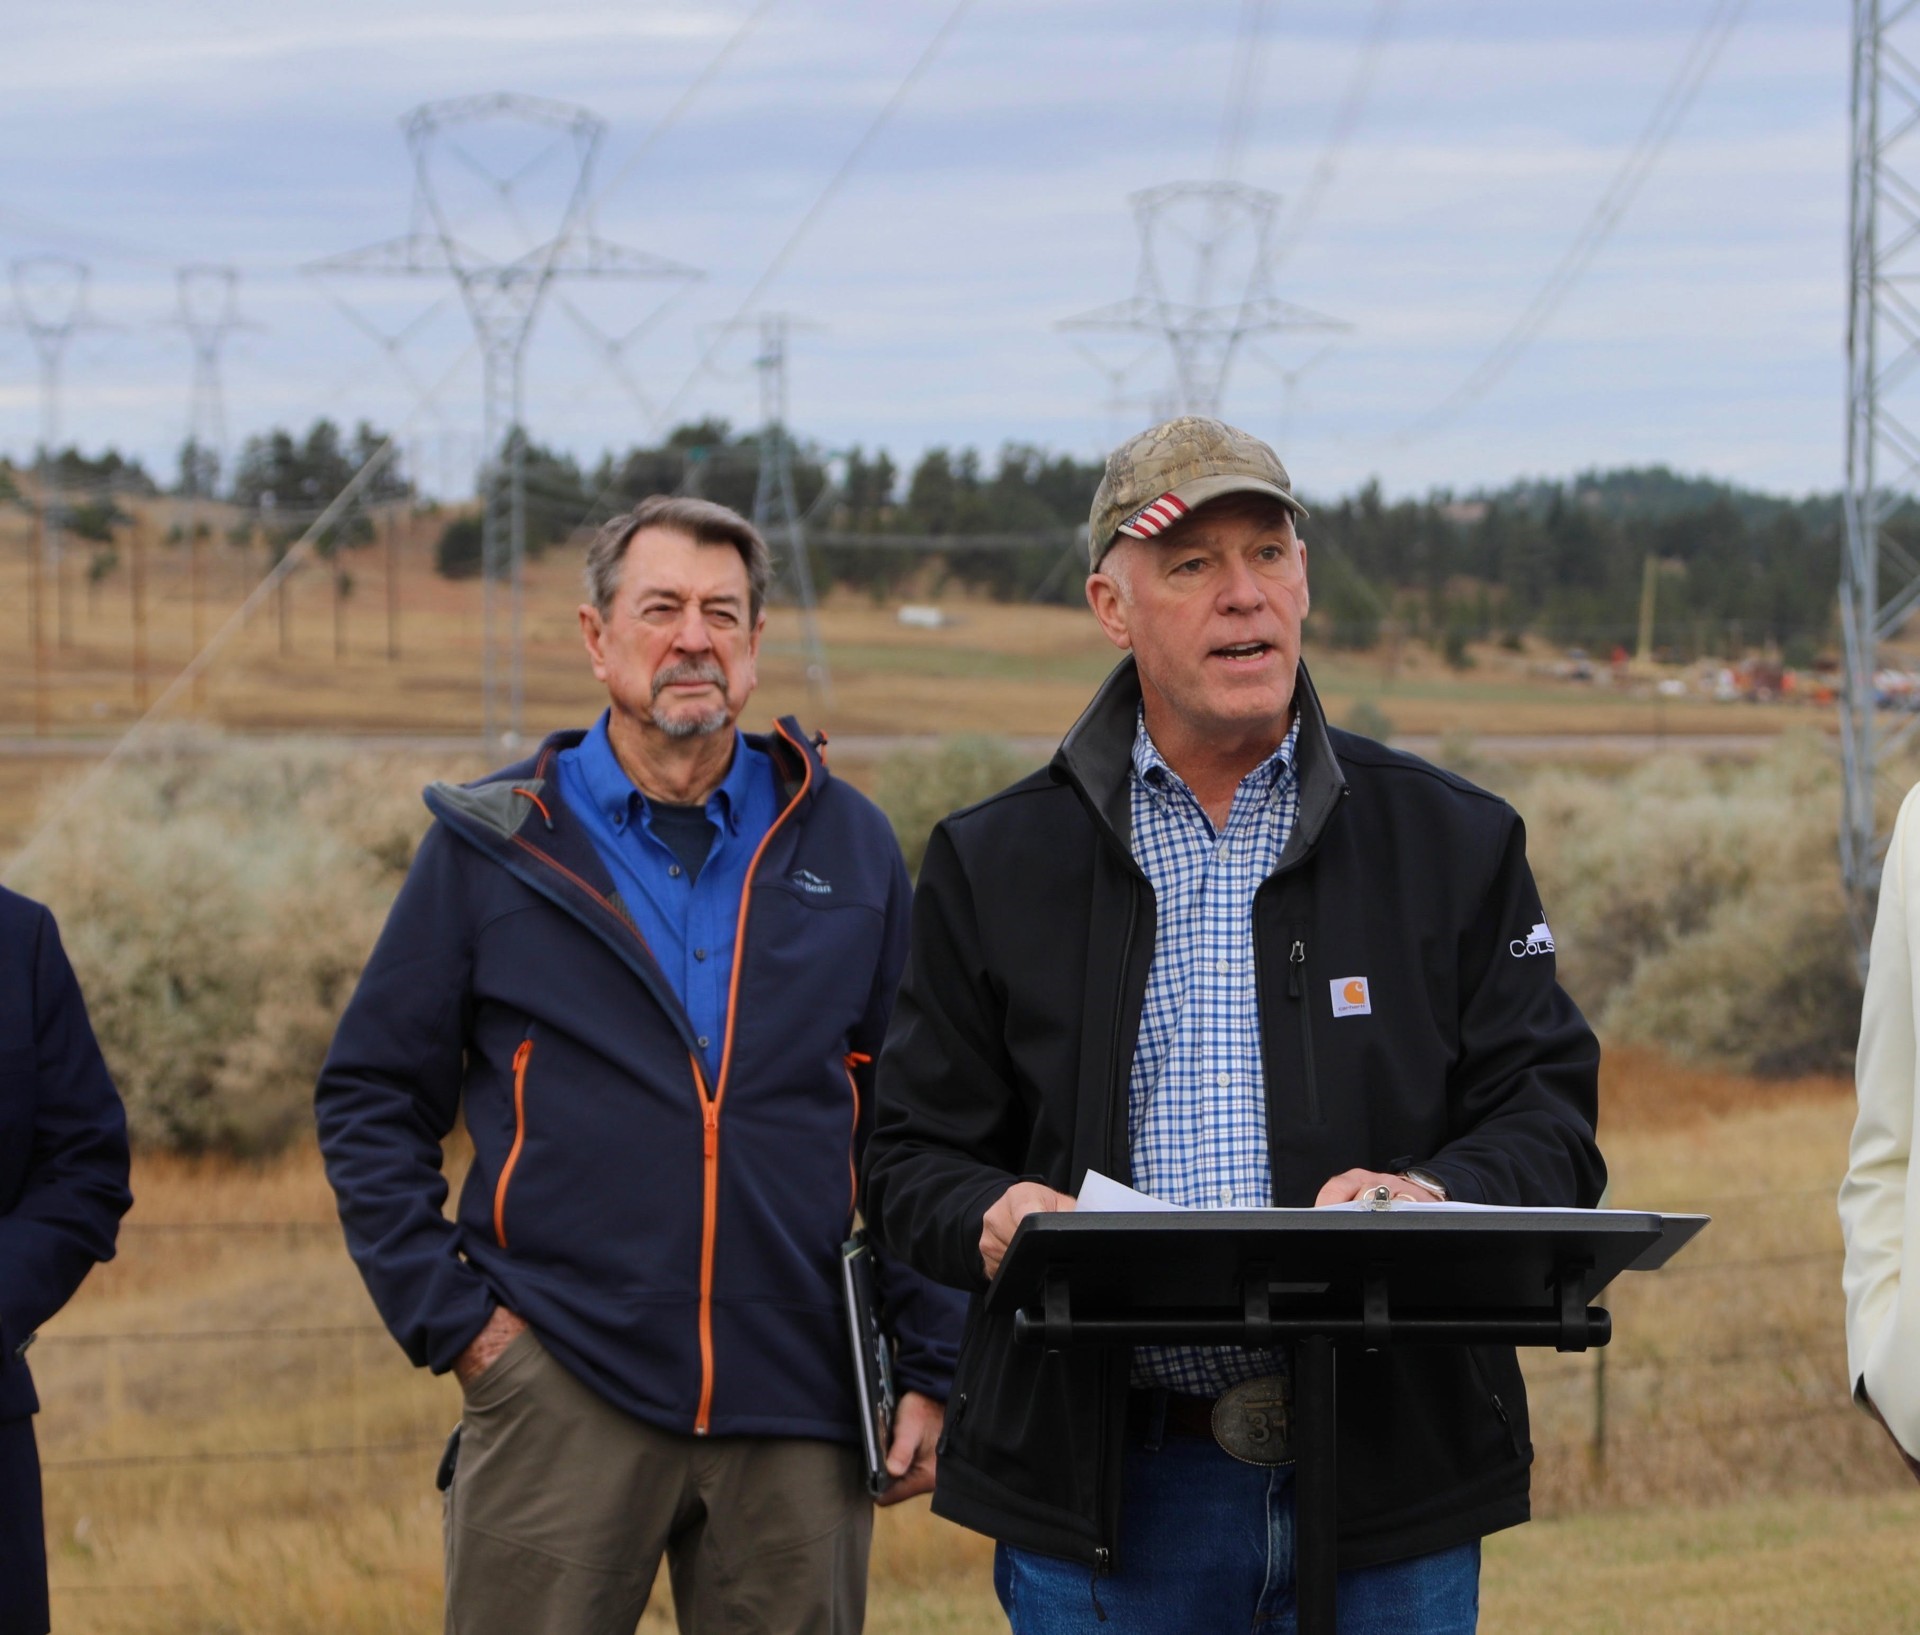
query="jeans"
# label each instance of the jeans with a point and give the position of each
(1206, 1545)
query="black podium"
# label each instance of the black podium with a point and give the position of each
(1320, 1278)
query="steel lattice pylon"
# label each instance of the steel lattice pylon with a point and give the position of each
(208, 300)
(50, 302)
(1205, 284)
(776, 512)
(1883, 420)
(503, 267)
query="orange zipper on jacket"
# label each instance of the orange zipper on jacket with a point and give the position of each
(520, 1059)
(853, 1059)
(710, 1105)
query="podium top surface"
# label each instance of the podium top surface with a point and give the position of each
(1431, 1258)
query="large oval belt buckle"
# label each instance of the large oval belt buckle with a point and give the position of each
(1254, 1421)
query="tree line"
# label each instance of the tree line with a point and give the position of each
(1570, 560)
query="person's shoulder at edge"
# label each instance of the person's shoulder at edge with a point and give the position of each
(24, 911)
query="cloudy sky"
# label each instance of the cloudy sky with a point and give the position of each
(1460, 146)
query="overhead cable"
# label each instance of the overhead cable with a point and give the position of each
(687, 97)
(814, 211)
(1386, 13)
(1243, 86)
(1678, 97)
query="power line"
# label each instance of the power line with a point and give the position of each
(813, 211)
(1678, 97)
(1243, 85)
(238, 1456)
(687, 97)
(218, 1336)
(1346, 118)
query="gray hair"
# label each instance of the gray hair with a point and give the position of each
(703, 521)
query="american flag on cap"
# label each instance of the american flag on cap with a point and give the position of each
(1154, 518)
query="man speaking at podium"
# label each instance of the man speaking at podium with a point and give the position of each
(1238, 958)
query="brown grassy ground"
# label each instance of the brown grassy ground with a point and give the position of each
(1017, 670)
(1736, 1490)
(1025, 669)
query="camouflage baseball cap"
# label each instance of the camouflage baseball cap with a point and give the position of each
(1156, 478)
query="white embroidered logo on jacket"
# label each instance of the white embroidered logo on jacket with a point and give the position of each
(1537, 941)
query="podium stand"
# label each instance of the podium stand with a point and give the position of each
(1319, 1279)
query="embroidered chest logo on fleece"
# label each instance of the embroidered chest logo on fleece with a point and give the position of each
(807, 880)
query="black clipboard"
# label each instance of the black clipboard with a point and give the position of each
(872, 1359)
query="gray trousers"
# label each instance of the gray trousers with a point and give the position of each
(562, 1506)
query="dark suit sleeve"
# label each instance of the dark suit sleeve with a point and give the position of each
(949, 1133)
(388, 1094)
(1523, 1097)
(924, 1319)
(76, 1184)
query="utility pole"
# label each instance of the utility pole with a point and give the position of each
(1649, 583)
(1883, 425)
(137, 588)
(776, 513)
(50, 304)
(390, 533)
(504, 269)
(36, 638)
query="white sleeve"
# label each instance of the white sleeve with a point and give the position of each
(1877, 1207)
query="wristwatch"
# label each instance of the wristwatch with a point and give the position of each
(1424, 1178)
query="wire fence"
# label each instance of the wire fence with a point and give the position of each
(1701, 1370)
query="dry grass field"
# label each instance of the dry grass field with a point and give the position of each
(1016, 670)
(233, 1445)
(1027, 670)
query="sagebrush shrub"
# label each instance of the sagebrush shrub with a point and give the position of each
(220, 898)
(1698, 908)
(916, 788)
(218, 901)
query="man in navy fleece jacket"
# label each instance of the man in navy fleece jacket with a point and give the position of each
(63, 1189)
(651, 966)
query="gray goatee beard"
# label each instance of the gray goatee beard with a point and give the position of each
(690, 726)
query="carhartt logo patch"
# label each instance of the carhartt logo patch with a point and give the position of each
(1351, 996)
(807, 880)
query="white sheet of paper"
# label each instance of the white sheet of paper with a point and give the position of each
(1102, 1195)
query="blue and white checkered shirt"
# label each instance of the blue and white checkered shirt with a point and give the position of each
(1196, 1102)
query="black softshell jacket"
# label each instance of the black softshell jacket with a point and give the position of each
(1008, 1058)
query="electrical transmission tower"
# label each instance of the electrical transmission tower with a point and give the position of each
(1205, 284)
(208, 310)
(50, 304)
(502, 206)
(776, 513)
(1883, 422)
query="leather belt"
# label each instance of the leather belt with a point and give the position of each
(1185, 1416)
(1253, 1422)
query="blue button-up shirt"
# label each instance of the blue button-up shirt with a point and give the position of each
(688, 923)
(1197, 1100)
